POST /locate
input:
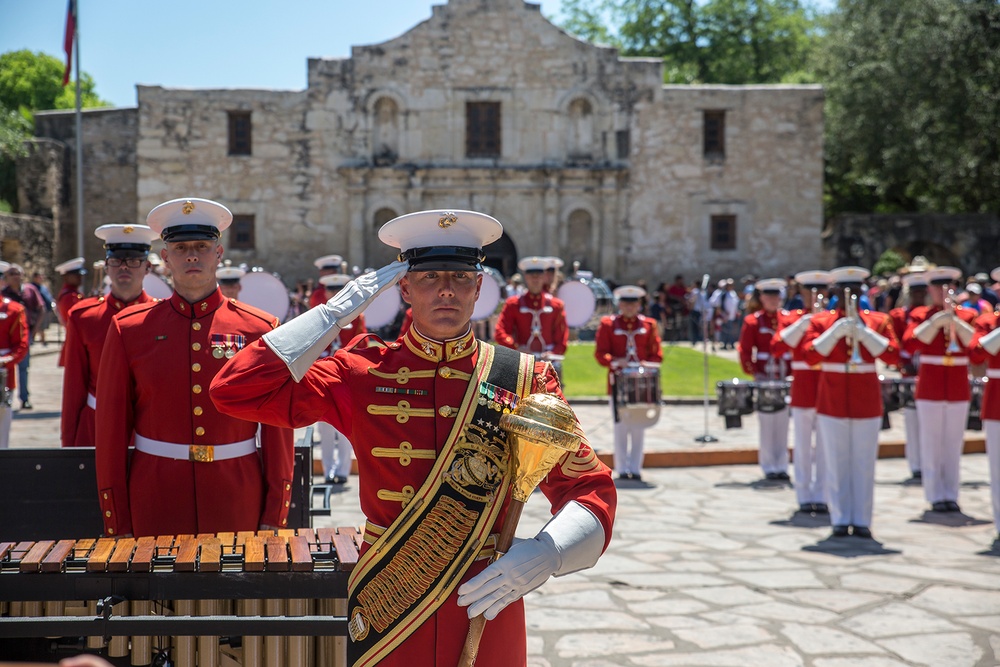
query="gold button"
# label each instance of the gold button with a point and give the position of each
(444, 372)
(288, 487)
(445, 411)
(108, 513)
(196, 389)
(196, 326)
(284, 522)
(287, 503)
(105, 496)
(199, 431)
(196, 367)
(111, 531)
(196, 347)
(197, 411)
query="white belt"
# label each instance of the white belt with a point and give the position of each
(993, 372)
(803, 366)
(199, 453)
(847, 368)
(943, 361)
(91, 401)
(763, 355)
(5, 350)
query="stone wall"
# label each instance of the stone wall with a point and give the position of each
(28, 240)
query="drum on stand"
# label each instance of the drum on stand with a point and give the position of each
(637, 394)
(155, 285)
(383, 310)
(490, 295)
(735, 399)
(890, 399)
(772, 395)
(906, 391)
(586, 299)
(975, 419)
(265, 291)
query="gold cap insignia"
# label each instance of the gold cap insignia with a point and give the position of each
(187, 208)
(128, 229)
(447, 219)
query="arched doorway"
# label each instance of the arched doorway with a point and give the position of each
(934, 252)
(502, 256)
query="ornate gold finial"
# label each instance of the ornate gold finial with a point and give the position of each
(128, 229)
(447, 219)
(187, 208)
(541, 429)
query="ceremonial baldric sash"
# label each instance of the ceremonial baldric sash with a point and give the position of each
(408, 573)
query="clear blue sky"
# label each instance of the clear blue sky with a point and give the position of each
(208, 43)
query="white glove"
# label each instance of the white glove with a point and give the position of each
(792, 334)
(927, 330)
(991, 342)
(964, 331)
(874, 342)
(302, 340)
(826, 341)
(572, 540)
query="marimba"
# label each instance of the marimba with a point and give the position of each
(264, 599)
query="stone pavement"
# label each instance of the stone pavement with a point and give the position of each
(710, 566)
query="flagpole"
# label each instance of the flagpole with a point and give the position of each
(79, 135)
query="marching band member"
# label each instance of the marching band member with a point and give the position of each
(941, 333)
(754, 348)
(627, 338)
(194, 469)
(985, 347)
(335, 448)
(849, 399)
(72, 272)
(808, 458)
(229, 278)
(327, 265)
(426, 409)
(915, 288)
(534, 322)
(126, 248)
(553, 275)
(14, 342)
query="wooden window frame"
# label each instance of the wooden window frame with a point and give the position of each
(715, 223)
(483, 133)
(243, 224)
(239, 145)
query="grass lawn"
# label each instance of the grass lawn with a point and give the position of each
(682, 372)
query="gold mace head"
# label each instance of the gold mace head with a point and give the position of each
(541, 429)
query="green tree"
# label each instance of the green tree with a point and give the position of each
(31, 82)
(888, 263)
(913, 106)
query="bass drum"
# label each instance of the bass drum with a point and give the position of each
(265, 291)
(155, 286)
(490, 294)
(382, 311)
(586, 299)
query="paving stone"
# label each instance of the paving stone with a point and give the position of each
(770, 655)
(727, 595)
(896, 619)
(858, 661)
(543, 620)
(717, 636)
(958, 601)
(600, 643)
(879, 583)
(936, 650)
(781, 611)
(779, 578)
(674, 622)
(834, 600)
(670, 605)
(819, 640)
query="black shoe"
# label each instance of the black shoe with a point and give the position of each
(821, 508)
(26, 405)
(771, 476)
(839, 531)
(783, 476)
(917, 475)
(337, 479)
(624, 476)
(807, 508)
(952, 506)
(940, 506)
(863, 531)
(635, 477)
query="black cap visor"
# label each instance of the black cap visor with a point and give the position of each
(444, 258)
(126, 250)
(190, 233)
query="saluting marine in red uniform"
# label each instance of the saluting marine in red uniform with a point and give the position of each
(849, 399)
(194, 470)
(127, 248)
(808, 458)
(915, 295)
(535, 321)
(624, 340)
(985, 347)
(422, 412)
(941, 334)
(754, 348)
(13, 348)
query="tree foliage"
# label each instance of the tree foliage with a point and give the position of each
(913, 106)
(888, 263)
(31, 82)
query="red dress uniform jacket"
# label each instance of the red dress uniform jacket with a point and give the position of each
(13, 337)
(936, 381)
(805, 376)
(985, 324)
(396, 403)
(754, 346)
(849, 395)
(86, 329)
(611, 340)
(68, 297)
(318, 296)
(900, 322)
(514, 326)
(156, 367)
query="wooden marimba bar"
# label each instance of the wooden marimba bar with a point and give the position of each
(274, 597)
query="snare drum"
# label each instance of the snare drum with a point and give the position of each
(637, 393)
(772, 395)
(975, 419)
(906, 390)
(735, 400)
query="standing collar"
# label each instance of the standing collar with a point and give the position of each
(434, 350)
(118, 304)
(199, 309)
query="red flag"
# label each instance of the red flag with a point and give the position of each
(69, 37)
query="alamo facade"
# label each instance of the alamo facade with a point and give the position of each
(579, 152)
